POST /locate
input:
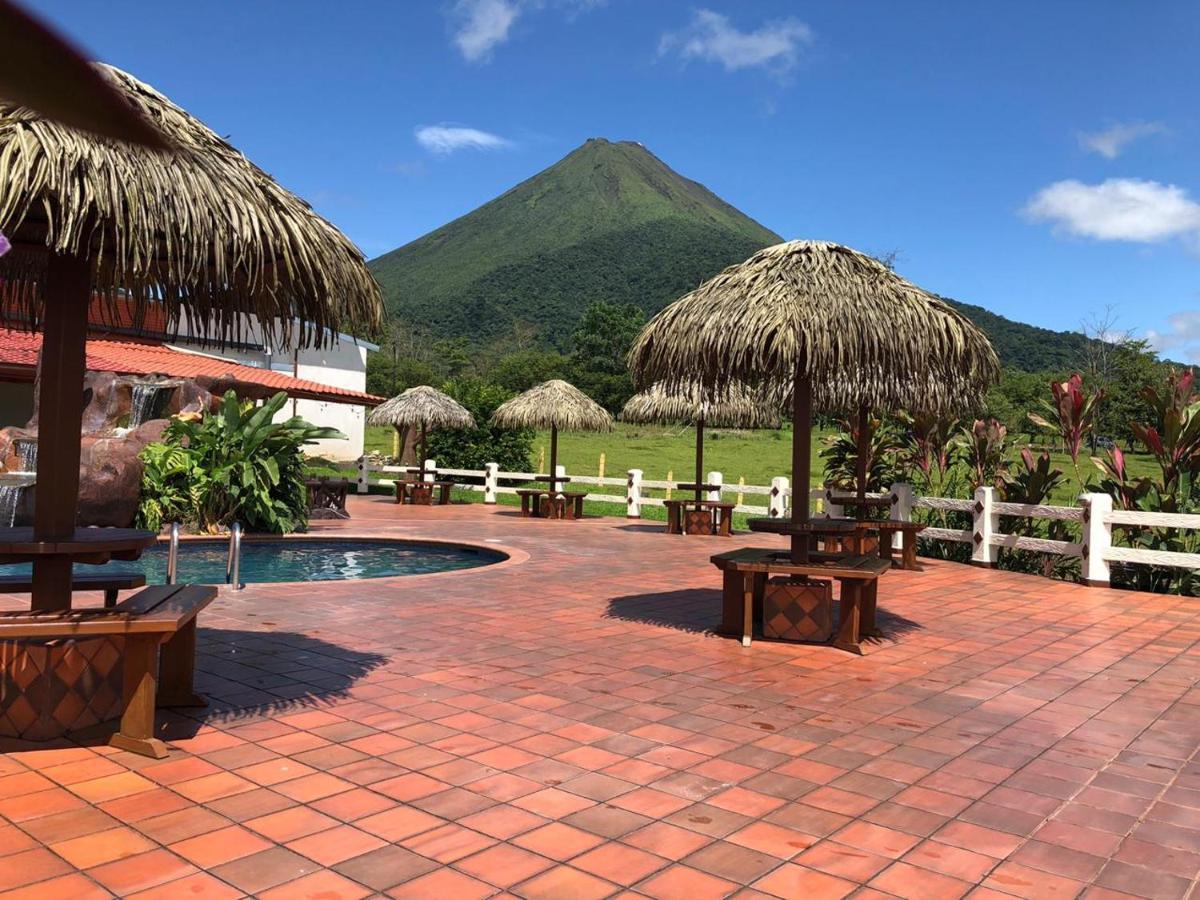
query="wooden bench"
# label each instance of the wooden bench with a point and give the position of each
(158, 615)
(544, 503)
(703, 517)
(908, 542)
(745, 574)
(97, 581)
(327, 497)
(421, 493)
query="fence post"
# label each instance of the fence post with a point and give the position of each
(430, 467)
(1097, 539)
(363, 469)
(491, 481)
(901, 511)
(778, 500)
(633, 494)
(600, 474)
(985, 523)
(717, 480)
(741, 497)
(670, 481)
(561, 472)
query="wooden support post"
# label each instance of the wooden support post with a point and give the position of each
(600, 470)
(177, 668)
(136, 732)
(801, 460)
(60, 416)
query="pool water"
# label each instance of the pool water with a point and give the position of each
(203, 562)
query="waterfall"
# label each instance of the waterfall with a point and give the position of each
(27, 453)
(147, 402)
(10, 494)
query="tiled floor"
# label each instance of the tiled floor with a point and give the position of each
(565, 726)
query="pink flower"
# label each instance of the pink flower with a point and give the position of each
(5, 244)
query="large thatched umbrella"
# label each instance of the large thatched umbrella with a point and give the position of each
(199, 232)
(424, 408)
(555, 405)
(824, 326)
(735, 407)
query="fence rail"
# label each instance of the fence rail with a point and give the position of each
(1094, 516)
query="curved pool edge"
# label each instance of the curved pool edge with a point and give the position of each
(513, 556)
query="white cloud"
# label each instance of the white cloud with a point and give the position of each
(1112, 141)
(482, 24)
(1119, 209)
(713, 38)
(442, 139)
(1183, 335)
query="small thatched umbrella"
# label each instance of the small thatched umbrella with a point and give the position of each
(824, 326)
(199, 232)
(553, 404)
(736, 407)
(424, 408)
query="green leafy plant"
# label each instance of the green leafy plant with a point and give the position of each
(841, 455)
(1073, 411)
(983, 448)
(1032, 482)
(474, 448)
(236, 464)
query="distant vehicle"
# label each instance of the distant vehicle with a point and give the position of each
(1105, 443)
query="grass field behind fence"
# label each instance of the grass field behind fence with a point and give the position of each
(757, 456)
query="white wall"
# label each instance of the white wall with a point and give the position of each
(344, 365)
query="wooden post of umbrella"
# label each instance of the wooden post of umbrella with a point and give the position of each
(801, 461)
(864, 448)
(699, 455)
(60, 414)
(554, 459)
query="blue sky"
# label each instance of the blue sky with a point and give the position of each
(1038, 159)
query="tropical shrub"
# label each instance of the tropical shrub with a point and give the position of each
(474, 448)
(1073, 415)
(236, 464)
(983, 448)
(841, 455)
(1032, 482)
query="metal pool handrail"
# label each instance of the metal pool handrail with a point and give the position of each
(173, 554)
(233, 566)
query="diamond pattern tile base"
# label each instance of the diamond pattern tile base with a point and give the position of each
(698, 521)
(48, 688)
(798, 610)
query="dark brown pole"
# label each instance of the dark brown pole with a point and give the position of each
(553, 459)
(60, 416)
(801, 460)
(699, 455)
(864, 447)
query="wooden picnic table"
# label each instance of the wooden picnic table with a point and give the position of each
(421, 493)
(745, 573)
(691, 516)
(327, 497)
(547, 503)
(109, 583)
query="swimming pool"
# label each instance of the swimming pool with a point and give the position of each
(203, 561)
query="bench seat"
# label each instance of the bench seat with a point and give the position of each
(160, 615)
(90, 581)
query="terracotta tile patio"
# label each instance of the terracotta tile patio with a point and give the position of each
(564, 725)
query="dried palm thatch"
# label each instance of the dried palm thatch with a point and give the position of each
(422, 407)
(858, 331)
(734, 407)
(553, 404)
(201, 230)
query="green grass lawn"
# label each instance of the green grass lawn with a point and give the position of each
(757, 456)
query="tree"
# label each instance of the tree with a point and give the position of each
(474, 448)
(520, 371)
(600, 345)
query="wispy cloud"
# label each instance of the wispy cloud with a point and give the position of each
(1182, 336)
(1119, 209)
(711, 37)
(481, 25)
(1111, 142)
(442, 139)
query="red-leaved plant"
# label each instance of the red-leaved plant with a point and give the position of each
(1074, 411)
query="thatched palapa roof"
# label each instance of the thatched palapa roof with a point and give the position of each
(861, 333)
(201, 229)
(422, 407)
(554, 404)
(734, 407)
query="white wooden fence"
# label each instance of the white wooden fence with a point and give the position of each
(1095, 513)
